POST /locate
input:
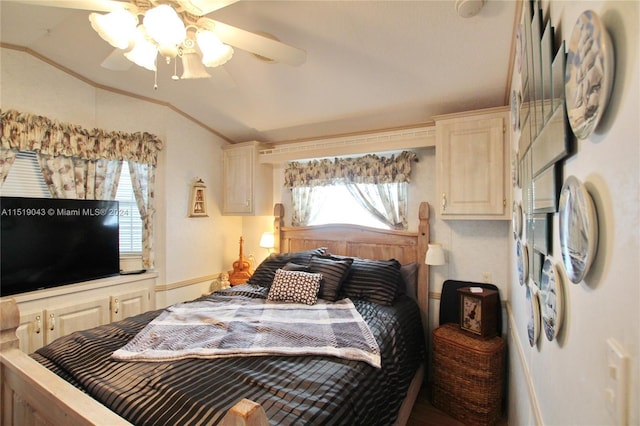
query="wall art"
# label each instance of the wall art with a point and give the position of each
(533, 325)
(578, 226)
(552, 299)
(589, 73)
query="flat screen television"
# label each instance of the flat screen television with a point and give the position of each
(47, 242)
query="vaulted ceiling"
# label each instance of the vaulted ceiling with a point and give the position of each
(370, 64)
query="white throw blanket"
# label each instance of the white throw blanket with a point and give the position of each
(224, 327)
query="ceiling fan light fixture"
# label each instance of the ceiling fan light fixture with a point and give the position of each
(214, 52)
(164, 26)
(116, 28)
(143, 53)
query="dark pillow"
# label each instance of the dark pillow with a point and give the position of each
(264, 273)
(373, 280)
(333, 271)
(408, 283)
(295, 286)
(295, 267)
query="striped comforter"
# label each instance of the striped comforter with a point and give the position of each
(300, 390)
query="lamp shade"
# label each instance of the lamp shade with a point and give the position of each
(192, 66)
(435, 255)
(214, 52)
(267, 240)
(163, 25)
(144, 52)
(117, 28)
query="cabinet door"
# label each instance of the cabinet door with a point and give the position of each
(471, 170)
(129, 304)
(30, 332)
(238, 180)
(65, 320)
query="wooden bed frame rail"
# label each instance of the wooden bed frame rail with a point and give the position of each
(32, 395)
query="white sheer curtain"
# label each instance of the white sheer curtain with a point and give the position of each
(386, 201)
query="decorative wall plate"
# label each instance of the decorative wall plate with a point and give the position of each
(578, 226)
(552, 302)
(589, 73)
(522, 253)
(533, 325)
(516, 219)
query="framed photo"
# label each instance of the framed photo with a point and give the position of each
(545, 190)
(198, 202)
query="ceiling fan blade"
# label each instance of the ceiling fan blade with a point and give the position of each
(94, 5)
(256, 43)
(204, 7)
(116, 61)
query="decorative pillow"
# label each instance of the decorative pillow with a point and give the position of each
(265, 272)
(295, 286)
(408, 283)
(333, 271)
(295, 267)
(373, 280)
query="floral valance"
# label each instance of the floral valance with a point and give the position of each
(367, 169)
(29, 132)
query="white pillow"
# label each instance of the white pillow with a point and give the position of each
(295, 286)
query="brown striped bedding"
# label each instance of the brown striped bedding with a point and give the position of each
(300, 390)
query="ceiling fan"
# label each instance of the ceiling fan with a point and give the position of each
(198, 40)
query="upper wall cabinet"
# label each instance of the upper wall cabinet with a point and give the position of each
(473, 158)
(248, 185)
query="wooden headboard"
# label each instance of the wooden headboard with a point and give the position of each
(363, 242)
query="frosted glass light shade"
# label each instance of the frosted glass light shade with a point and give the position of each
(214, 52)
(164, 26)
(116, 28)
(144, 53)
(192, 66)
(435, 255)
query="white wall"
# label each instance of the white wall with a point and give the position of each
(563, 381)
(186, 249)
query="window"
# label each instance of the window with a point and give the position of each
(335, 204)
(130, 221)
(25, 180)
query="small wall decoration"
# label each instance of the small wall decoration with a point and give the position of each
(552, 302)
(198, 204)
(578, 229)
(522, 253)
(516, 220)
(589, 73)
(533, 325)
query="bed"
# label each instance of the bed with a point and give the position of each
(44, 388)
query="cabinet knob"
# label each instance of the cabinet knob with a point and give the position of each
(38, 324)
(444, 202)
(116, 305)
(52, 322)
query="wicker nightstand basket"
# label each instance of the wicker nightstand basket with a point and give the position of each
(468, 375)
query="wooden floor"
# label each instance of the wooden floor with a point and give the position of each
(425, 414)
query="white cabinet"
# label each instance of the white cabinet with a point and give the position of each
(247, 184)
(473, 162)
(46, 315)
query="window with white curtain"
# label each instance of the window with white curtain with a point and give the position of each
(25, 180)
(335, 204)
